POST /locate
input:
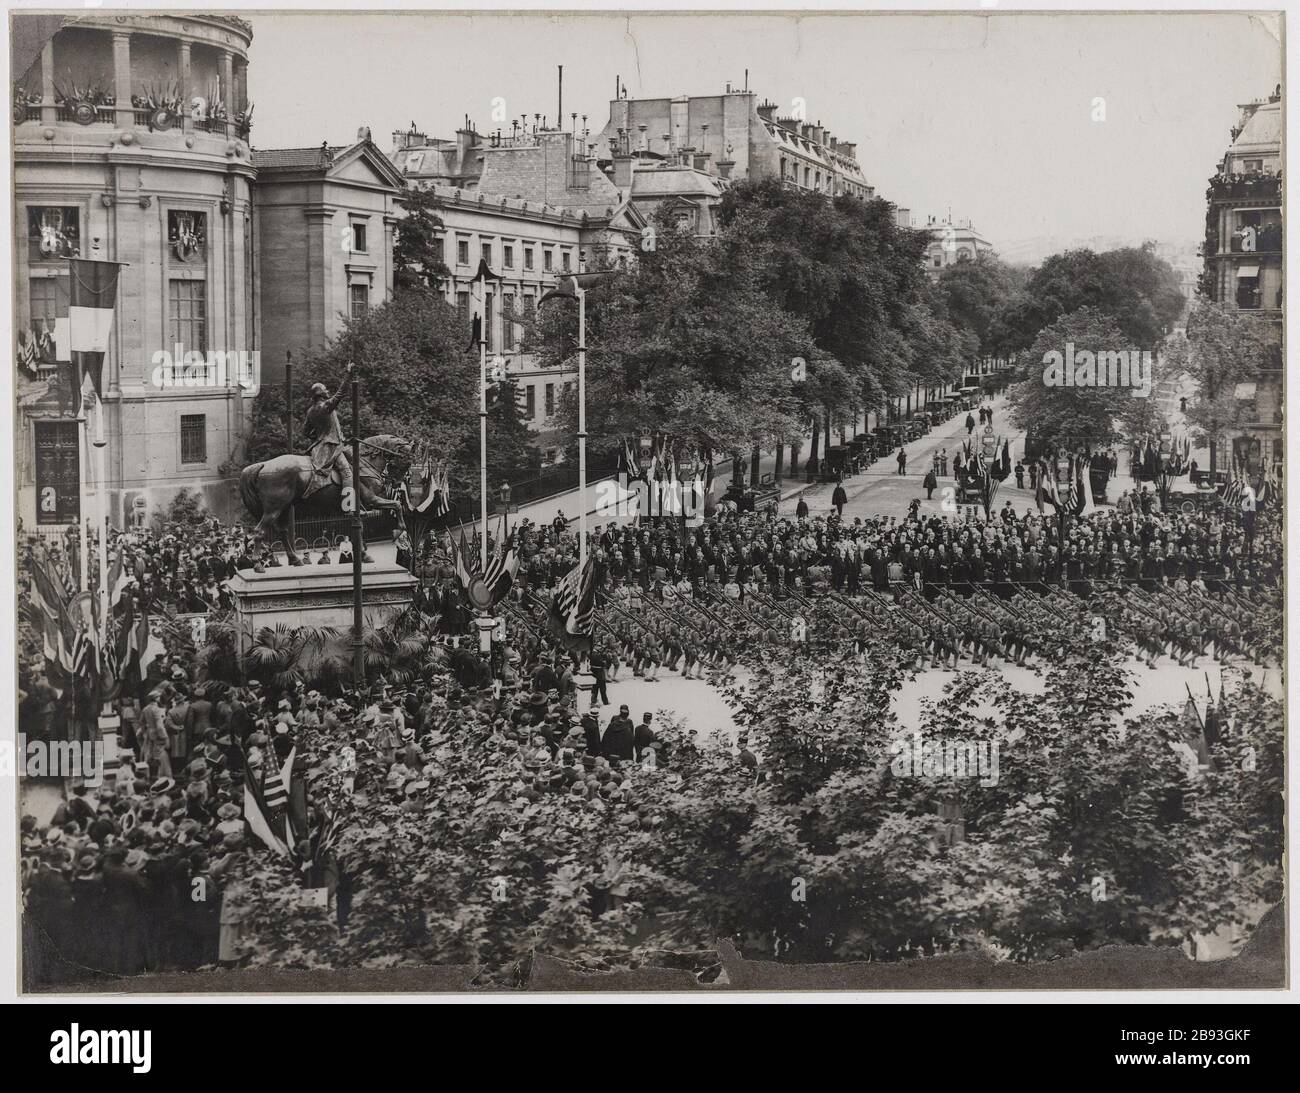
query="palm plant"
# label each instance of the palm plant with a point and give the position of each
(396, 650)
(218, 655)
(283, 655)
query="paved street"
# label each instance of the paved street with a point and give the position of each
(880, 490)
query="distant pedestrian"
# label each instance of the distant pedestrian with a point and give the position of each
(1020, 475)
(970, 424)
(839, 499)
(902, 461)
(929, 482)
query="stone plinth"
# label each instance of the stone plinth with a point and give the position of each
(319, 595)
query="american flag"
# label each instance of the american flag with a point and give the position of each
(503, 566)
(572, 613)
(1236, 486)
(275, 783)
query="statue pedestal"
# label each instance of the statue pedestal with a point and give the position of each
(319, 595)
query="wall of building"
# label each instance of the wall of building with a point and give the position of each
(310, 262)
(127, 185)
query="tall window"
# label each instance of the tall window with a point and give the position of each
(550, 399)
(194, 438)
(548, 260)
(358, 300)
(462, 306)
(187, 235)
(510, 332)
(530, 402)
(486, 250)
(528, 258)
(187, 313)
(564, 261)
(508, 256)
(359, 238)
(53, 232)
(49, 301)
(462, 252)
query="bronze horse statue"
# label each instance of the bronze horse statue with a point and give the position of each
(271, 488)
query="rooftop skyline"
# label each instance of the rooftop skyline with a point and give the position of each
(937, 104)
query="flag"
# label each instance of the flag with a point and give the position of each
(92, 295)
(503, 566)
(118, 578)
(275, 794)
(464, 572)
(256, 818)
(442, 505)
(428, 501)
(1085, 482)
(572, 612)
(27, 350)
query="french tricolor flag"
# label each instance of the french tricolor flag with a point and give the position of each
(91, 299)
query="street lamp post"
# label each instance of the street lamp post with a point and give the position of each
(570, 288)
(108, 719)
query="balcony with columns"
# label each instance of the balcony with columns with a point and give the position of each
(185, 75)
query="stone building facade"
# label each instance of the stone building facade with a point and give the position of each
(1243, 255)
(324, 219)
(534, 206)
(951, 241)
(130, 144)
(735, 136)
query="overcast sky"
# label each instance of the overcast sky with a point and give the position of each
(989, 116)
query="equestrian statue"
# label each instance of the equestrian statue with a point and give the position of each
(317, 481)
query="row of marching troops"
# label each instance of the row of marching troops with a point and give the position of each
(689, 599)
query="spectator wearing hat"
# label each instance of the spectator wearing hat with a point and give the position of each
(178, 727)
(617, 743)
(644, 737)
(155, 746)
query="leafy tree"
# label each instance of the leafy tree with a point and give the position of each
(846, 268)
(1135, 288)
(1222, 348)
(1069, 416)
(970, 296)
(417, 243)
(686, 345)
(186, 508)
(897, 860)
(419, 380)
(512, 455)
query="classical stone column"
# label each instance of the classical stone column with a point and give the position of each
(125, 116)
(49, 112)
(183, 70)
(228, 87)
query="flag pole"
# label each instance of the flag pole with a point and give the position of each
(83, 467)
(358, 549)
(108, 720)
(582, 429)
(482, 420)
